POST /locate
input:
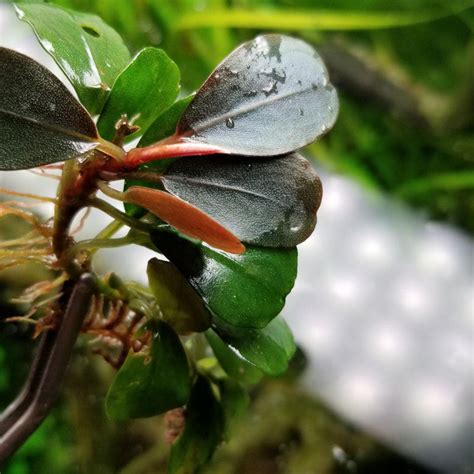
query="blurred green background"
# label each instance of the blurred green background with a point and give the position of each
(405, 73)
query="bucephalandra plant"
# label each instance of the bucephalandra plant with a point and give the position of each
(214, 185)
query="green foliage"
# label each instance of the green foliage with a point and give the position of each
(145, 89)
(245, 290)
(180, 305)
(89, 52)
(151, 383)
(203, 431)
(269, 349)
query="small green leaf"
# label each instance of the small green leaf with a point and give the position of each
(270, 349)
(162, 127)
(150, 384)
(146, 88)
(270, 202)
(246, 290)
(181, 306)
(165, 125)
(234, 401)
(90, 53)
(40, 121)
(235, 366)
(202, 434)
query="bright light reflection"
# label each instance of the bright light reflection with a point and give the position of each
(389, 343)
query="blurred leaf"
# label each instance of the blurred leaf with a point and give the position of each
(181, 306)
(234, 401)
(143, 91)
(89, 52)
(441, 182)
(268, 202)
(40, 121)
(268, 97)
(202, 434)
(269, 349)
(322, 20)
(150, 384)
(184, 217)
(235, 366)
(246, 290)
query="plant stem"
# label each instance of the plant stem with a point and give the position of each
(119, 215)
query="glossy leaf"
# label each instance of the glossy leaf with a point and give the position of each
(89, 52)
(202, 433)
(270, 201)
(235, 366)
(146, 88)
(185, 217)
(269, 349)
(246, 290)
(181, 306)
(270, 96)
(162, 127)
(234, 401)
(40, 121)
(150, 384)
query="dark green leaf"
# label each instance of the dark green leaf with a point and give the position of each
(269, 349)
(270, 201)
(235, 366)
(146, 88)
(162, 127)
(89, 52)
(270, 96)
(150, 384)
(246, 290)
(202, 434)
(181, 306)
(234, 401)
(40, 121)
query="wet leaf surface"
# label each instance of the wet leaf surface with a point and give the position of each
(266, 201)
(40, 121)
(181, 306)
(203, 431)
(246, 290)
(269, 349)
(235, 366)
(151, 384)
(90, 53)
(145, 89)
(270, 96)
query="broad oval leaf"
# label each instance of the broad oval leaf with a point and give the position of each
(270, 96)
(90, 53)
(203, 431)
(270, 202)
(185, 217)
(234, 365)
(269, 349)
(40, 121)
(246, 290)
(181, 306)
(153, 383)
(146, 88)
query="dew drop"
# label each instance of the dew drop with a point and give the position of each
(229, 123)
